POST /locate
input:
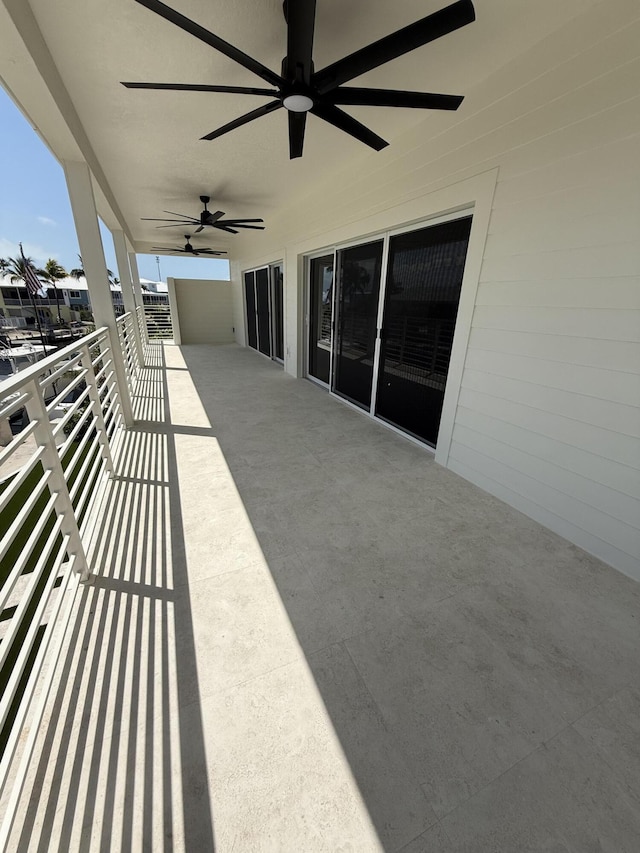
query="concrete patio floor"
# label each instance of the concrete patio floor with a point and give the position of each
(307, 636)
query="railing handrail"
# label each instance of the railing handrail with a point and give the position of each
(12, 383)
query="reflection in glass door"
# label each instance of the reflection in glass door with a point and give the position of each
(424, 279)
(358, 285)
(319, 304)
(250, 299)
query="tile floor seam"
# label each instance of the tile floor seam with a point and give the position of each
(235, 686)
(398, 749)
(438, 823)
(190, 583)
(492, 781)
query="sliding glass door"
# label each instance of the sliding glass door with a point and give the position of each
(392, 334)
(277, 310)
(358, 287)
(262, 311)
(424, 278)
(250, 300)
(264, 304)
(320, 296)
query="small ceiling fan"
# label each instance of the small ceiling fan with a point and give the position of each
(300, 89)
(188, 249)
(207, 219)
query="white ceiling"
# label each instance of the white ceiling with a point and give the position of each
(148, 143)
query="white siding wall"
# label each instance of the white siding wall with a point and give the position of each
(548, 408)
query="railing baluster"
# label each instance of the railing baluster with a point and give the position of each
(51, 461)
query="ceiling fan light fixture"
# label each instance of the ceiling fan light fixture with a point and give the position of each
(297, 103)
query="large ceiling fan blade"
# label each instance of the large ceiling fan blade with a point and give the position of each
(345, 122)
(175, 225)
(156, 219)
(245, 119)
(297, 123)
(239, 221)
(301, 18)
(201, 87)
(212, 40)
(199, 229)
(393, 98)
(397, 44)
(240, 225)
(184, 216)
(213, 217)
(225, 228)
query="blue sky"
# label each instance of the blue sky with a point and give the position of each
(35, 209)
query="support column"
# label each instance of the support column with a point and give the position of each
(85, 217)
(126, 283)
(137, 289)
(173, 308)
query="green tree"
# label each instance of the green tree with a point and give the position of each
(15, 269)
(79, 272)
(54, 272)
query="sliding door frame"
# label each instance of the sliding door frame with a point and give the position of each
(269, 268)
(331, 250)
(385, 236)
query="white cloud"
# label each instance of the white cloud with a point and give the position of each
(44, 220)
(9, 249)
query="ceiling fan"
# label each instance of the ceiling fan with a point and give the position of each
(188, 249)
(206, 219)
(300, 89)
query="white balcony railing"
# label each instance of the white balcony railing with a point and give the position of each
(52, 472)
(158, 322)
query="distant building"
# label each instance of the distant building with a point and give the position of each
(16, 308)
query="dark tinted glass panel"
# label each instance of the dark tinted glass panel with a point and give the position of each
(262, 301)
(356, 321)
(421, 303)
(320, 296)
(278, 311)
(250, 296)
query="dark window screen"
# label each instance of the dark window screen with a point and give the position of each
(264, 321)
(357, 311)
(250, 296)
(421, 303)
(278, 312)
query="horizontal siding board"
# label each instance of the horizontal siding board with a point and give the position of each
(553, 231)
(575, 512)
(601, 471)
(619, 507)
(616, 355)
(602, 324)
(605, 385)
(615, 417)
(618, 293)
(608, 443)
(604, 551)
(621, 259)
(612, 159)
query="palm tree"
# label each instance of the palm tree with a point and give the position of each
(15, 268)
(79, 272)
(53, 272)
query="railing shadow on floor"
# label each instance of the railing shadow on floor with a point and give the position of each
(120, 767)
